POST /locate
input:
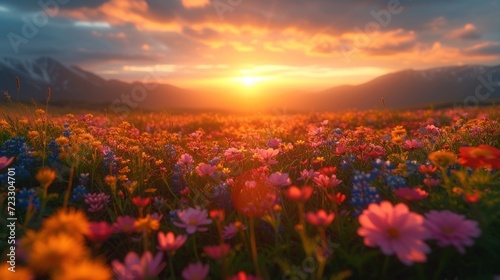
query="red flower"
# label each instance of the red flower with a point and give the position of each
(328, 171)
(427, 169)
(141, 202)
(481, 156)
(299, 195)
(472, 197)
(338, 198)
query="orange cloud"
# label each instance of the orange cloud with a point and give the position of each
(195, 3)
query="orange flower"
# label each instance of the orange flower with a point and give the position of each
(481, 156)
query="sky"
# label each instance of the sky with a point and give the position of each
(266, 44)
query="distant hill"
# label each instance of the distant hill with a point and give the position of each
(403, 89)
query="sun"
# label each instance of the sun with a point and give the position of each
(250, 81)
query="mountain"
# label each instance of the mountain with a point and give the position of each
(410, 88)
(403, 89)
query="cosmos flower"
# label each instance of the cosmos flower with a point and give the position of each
(185, 159)
(206, 169)
(232, 229)
(99, 231)
(395, 230)
(195, 271)
(326, 182)
(142, 268)
(217, 252)
(124, 224)
(170, 242)
(320, 219)
(278, 180)
(193, 219)
(449, 228)
(299, 194)
(5, 161)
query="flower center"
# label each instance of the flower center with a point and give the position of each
(193, 222)
(447, 230)
(393, 233)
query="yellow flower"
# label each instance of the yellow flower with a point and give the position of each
(110, 181)
(23, 121)
(84, 270)
(398, 131)
(442, 159)
(146, 224)
(72, 221)
(51, 253)
(39, 112)
(397, 140)
(62, 141)
(20, 273)
(45, 176)
(33, 134)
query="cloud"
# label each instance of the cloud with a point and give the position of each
(486, 48)
(195, 3)
(468, 32)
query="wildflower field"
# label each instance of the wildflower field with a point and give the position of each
(354, 195)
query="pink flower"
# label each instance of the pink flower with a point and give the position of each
(233, 154)
(99, 231)
(325, 181)
(278, 179)
(320, 219)
(341, 148)
(243, 276)
(307, 175)
(299, 195)
(169, 242)
(185, 159)
(5, 161)
(217, 252)
(267, 156)
(414, 144)
(192, 219)
(431, 182)
(206, 169)
(195, 271)
(449, 228)
(395, 230)
(137, 268)
(410, 194)
(231, 230)
(124, 224)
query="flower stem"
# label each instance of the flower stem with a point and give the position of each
(68, 191)
(171, 265)
(254, 248)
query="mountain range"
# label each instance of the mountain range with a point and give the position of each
(408, 88)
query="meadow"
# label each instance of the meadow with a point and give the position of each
(352, 195)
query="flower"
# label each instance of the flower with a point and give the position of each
(325, 181)
(449, 228)
(141, 202)
(137, 268)
(320, 219)
(72, 222)
(185, 159)
(206, 169)
(217, 251)
(99, 231)
(217, 215)
(411, 194)
(192, 219)
(481, 156)
(96, 201)
(170, 242)
(306, 175)
(195, 271)
(427, 169)
(395, 230)
(442, 159)
(267, 156)
(231, 230)
(124, 224)
(48, 253)
(243, 276)
(45, 176)
(146, 224)
(20, 273)
(414, 144)
(83, 270)
(299, 195)
(431, 182)
(338, 198)
(278, 179)
(5, 161)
